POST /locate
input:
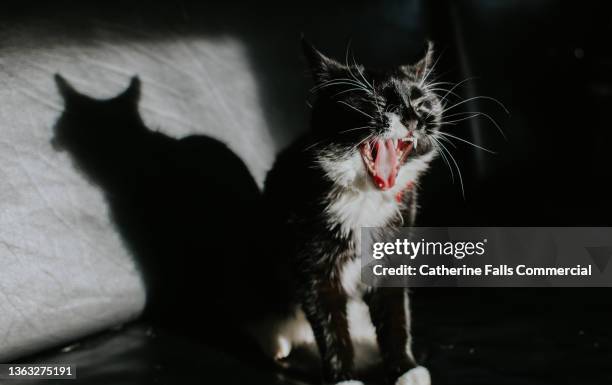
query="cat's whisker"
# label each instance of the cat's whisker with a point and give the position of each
(327, 82)
(345, 78)
(376, 102)
(459, 113)
(350, 80)
(455, 121)
(314, 144)
(350, 90)
(355, 129)
(443, 90)
(455, 87)
(456, 166)
(368, 87)
(467, 142)
(436, 88)
(432, 84)
(338, 82)
(439, 76)
(446, 140)
(362, 76)
(356, 109)
(346, 59)
(487, 116)
(346, 62)
(365, 87)
(479, 97)
(444, 158)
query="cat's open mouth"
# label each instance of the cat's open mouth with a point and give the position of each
(383, 158)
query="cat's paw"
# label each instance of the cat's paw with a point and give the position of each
(415, 376)
(350, 382)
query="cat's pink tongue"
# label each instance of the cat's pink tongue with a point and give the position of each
(385, 164)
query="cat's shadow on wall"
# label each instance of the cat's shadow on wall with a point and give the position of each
(186, 208)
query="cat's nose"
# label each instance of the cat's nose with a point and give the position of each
(422, 124)
(420, 121)
(410, 123)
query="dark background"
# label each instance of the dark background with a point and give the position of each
(548, 62)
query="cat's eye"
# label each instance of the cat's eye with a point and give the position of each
(415, 93)
(391, 96)
(426, 104)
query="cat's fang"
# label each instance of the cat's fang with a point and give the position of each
(383, 159)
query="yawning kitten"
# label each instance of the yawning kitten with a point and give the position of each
(373, 133)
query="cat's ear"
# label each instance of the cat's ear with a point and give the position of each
(132, 92)
(68, 93)
(321, 67)
(422, 68)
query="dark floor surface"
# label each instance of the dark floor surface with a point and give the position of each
(464, 336)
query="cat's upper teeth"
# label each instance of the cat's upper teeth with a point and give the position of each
(412, 139)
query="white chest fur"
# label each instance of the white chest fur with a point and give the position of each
(356, 202)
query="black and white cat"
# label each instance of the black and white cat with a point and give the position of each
(373, 133)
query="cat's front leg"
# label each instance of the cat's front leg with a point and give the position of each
(324, 302)
(391, 318)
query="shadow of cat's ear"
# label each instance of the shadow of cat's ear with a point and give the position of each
(65, 89)
(132, 92)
